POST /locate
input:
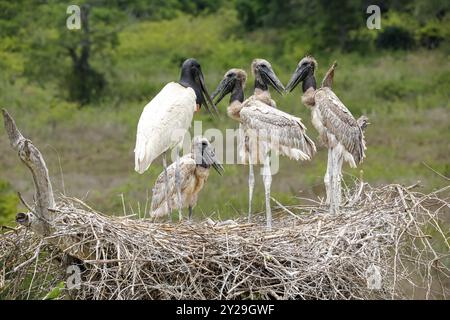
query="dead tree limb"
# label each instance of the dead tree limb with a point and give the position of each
(39, 219)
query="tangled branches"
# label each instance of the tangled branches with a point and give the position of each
(387, 242)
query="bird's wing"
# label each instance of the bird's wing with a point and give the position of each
(245, 145)
(339, 121)
(163, 123)
(278, 128)
(187, 170)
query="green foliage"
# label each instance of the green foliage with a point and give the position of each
(395, 38)
(199, 6)
(56, 292)
(433, 33)
(8, 204)
(159, 48)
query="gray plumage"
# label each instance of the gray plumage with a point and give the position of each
(363, 122)
(339, 131)
(285, 133)
(189, 179)
(262, 127)
(329, 76)
(193, 172)
(337, 120)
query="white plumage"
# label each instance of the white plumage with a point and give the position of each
(165, 120)
(163, 123)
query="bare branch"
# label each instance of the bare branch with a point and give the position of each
(24, 202)
(14, 134)
(33, 159)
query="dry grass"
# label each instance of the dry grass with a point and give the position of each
(310, 254)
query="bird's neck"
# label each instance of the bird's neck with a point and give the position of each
(308, 97)
(309, 82)
(236, 99)
(237, 94)
(259, 84)
(187, 80)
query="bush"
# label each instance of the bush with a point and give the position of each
(8, 203)
(431, 35)
(394, 37)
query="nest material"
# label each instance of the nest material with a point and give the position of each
(387, 242)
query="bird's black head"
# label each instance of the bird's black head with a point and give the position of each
(204, 154)
(233, 82)
(192, 77)
(303, 73)
(265, 76)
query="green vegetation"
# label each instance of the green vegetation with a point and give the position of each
(399, 76)
(8, 204)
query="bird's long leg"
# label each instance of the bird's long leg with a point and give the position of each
(251, 183)
(267, 177)
(166, 189)
(335, 182)
(331, 169)
(178, 183)
(327, 178)
(190, 213)
(338, 178)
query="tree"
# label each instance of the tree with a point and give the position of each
(76, 60)
(98, 34)
(84, 81)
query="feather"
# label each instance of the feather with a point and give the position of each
(332, 117)
(363, 122)
(163, 123)
(328, 79)
(190, 186)
(283, 132)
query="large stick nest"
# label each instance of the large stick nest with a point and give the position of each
(389, 233)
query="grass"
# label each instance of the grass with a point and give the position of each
(405, 95)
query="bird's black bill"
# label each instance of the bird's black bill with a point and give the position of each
(209, 157)
(272, 79)
(225, 86)
(219, 168)
(297, 77)
(206, 96)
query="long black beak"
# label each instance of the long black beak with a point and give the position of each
(218, 167)
(225, 86)
(205, 94)
(210, 158)
(298, 76)
(272, 79)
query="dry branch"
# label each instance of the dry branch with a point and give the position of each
(39, 219)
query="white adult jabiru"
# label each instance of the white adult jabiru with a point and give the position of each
(166, 119)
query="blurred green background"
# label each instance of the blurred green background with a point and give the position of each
(79, 93)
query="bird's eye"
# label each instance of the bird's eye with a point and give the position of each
(230, 75)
